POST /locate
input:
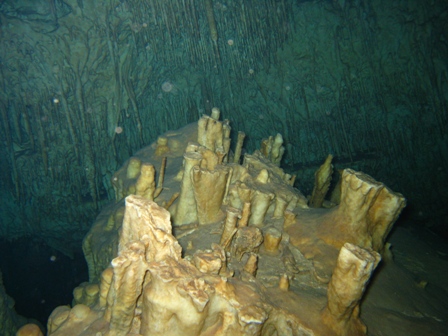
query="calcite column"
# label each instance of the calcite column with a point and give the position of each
(186, 207)
(260, 204)
(145, 221)
(272, 148)
(210, 188)
(229, 226)
(245, 215)
(281, 204)
(210, 132)
(247, 239)
(272, 239)
(129, 271)
(162, 146)
(367, 211)
(239, 192)
(322, 180)
(348, 282)
(106, 281)
(133, 168)
(173, 303)
(146, 185)
(145, 239)
(383, 215)
(277, 150)
(239, 147)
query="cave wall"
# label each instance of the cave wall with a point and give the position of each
(86, 84)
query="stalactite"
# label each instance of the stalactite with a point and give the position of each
(79, 94)
(111, 44)
(90, 170)
(14, 116)
(12, 159)
(131, 95)
(212, 27)
(42, 143)
(71, 127)
(26, 124)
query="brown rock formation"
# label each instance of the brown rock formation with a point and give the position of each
(256, 259)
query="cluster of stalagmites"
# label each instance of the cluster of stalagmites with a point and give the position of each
(249, 240)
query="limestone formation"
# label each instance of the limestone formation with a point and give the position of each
(272, 239)
(210, 187)
(211, 132)
(29, 330)
(247, 240)
(186, 208)
(244, 253)
(162, 146)
(322, 180)
(348, 282)
(239, 147)
(133, 168)
(272, 148)
(9, 319)
(365, 215)
(145, 185)
(229, 226)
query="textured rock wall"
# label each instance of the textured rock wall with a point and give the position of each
(85, 85)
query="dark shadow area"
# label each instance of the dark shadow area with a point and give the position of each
(38, 277)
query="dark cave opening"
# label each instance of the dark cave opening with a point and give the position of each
(38, 277)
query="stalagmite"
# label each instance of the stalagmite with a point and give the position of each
(266, 147)
(106, 281)
(226, 149)
(86, 293)
(57, 318)
(145, 185)
(162, 146)
(133, 168)
(210, 261)
(171, 200)
(129, 271)
(272, 149)
(247, 239)
(245, 215)
(186, 207)
(263, 176)
(277, 149)
(289, 219)
(210, 133)
(160, 179)
(239, 193)
(210, 187)
(365, 214)
(256, 259)
(239, 147)
(280, 206)
(348, 282)
(322, 180)
(215, 113)
(229, 226)
(284, 282)
(260, 204)
(272, 239)
(251, 264)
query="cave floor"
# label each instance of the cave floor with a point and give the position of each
(410, 296)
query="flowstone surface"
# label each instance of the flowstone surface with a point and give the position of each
(199, 244)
